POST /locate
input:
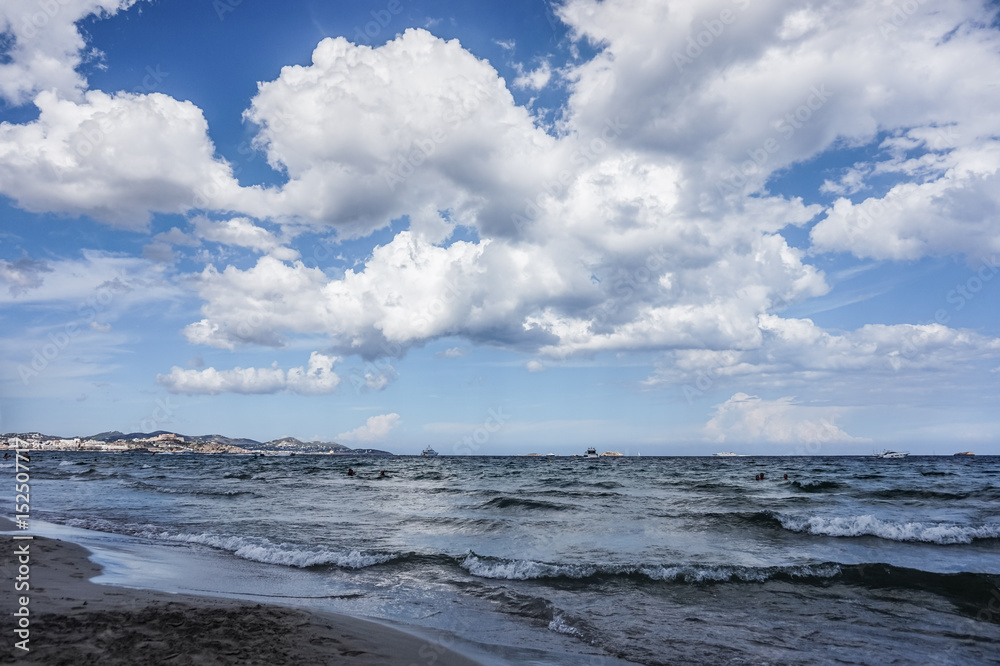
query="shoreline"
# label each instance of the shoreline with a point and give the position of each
(74, 621)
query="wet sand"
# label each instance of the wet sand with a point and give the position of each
(74, 621)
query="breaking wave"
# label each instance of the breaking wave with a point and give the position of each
(868, 525)
(248, 548)
(513, 569)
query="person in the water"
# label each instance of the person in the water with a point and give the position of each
(350, 472)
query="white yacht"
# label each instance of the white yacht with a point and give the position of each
(591, 453)
(892, 454)
(429, 452)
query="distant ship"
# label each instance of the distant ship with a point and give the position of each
(892, 454)
(591, 453)
(726, 454)
(429, 452)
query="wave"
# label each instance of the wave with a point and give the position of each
(607, 485)
(512, 569)
(576, 493)
(868, 525)
(543, 612)
(262, 550)
(913, 493)
(241, 476)
(504, 502)
(257, 549)
(141, 485)
(816, 486)
(429, 475)
(969, 591)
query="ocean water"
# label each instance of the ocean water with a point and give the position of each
(572, 560)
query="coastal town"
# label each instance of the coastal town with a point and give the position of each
(168, 442)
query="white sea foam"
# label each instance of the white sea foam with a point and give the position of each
(285, 554)
(560, 626)
(258, 550)
(711, 573)
(868, 525)
(488, 567)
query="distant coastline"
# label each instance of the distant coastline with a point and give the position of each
(162, 441)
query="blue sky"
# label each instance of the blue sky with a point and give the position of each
(650, 227)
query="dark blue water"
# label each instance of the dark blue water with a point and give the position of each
(650, 560)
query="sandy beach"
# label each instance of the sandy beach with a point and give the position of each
(74, 621)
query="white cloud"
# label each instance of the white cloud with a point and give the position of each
(117, 158)
(47, 46)
(95, 283)
(414, 126)
(379, 377)
(626, 227)
(954, 212)
(451, 352)
(376, 428)
(796, 351)
(534, 366)
(723, 97)
(242, 232)
(535, 79)
(750, 419)
(317, 378)
(22, 275)
(669, 281)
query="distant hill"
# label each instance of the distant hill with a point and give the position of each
(289, 444)
(222, 439)
(292, 444)
(298, 446)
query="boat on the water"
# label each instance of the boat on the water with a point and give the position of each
(591, 453)
(428, 452)
(725, 454)
(892, 454)
(965, 453)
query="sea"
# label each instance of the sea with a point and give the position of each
(567, 560)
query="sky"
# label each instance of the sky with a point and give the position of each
(656, 227)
